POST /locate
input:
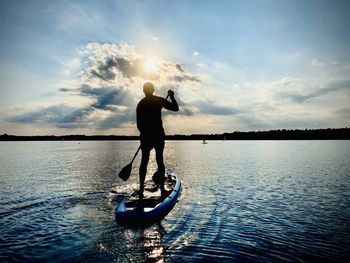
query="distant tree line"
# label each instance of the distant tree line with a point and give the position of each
(315, 134)
(307, 134)
(6, 137)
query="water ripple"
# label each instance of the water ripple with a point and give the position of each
(241, 202)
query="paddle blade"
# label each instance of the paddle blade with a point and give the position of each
(125, 172)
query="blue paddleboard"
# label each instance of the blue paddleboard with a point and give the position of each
(153, 208)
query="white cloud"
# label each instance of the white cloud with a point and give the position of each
(110, 85)
(317, 63)
(195, 53)
(104, 96)
(301, 103)
(71, 67)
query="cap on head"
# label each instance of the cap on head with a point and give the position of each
(148, 88)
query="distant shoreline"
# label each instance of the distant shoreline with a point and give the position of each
(307, 134)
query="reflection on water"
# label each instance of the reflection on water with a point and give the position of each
(242, 201)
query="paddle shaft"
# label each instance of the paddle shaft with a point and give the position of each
(136, 154)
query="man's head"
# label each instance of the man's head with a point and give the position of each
(148, 89)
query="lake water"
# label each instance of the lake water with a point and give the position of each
(242, 201)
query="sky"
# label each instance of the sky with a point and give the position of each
(77, 67)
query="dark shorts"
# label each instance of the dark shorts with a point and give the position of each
(150, 142)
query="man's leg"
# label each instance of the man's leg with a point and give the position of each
(160, 163)
(143, 169)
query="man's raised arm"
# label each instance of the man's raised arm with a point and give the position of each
(173, 106)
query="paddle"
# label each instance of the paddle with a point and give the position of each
(126, 171)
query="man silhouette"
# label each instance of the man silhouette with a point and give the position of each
(150, 125)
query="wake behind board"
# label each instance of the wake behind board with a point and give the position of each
(153, 208)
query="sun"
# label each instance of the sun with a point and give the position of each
(151, 64)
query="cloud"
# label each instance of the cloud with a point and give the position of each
(344, 112)
(104, 97)
(111, 82)
(65, 89)
(295, 103)
(301, 95)
(107, 97)
(117, 120)
(195, 54)
(109, 68)
(209, 107)
(122, 63)
(182, 78)
(58, 114)
(75, 119)
(179, 67)
(316, 63)
(104, 73)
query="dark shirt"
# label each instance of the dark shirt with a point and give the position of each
(149, 117)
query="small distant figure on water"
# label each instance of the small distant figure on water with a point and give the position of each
(204, 142)
(150, 125)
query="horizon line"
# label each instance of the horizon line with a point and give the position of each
(320, 133)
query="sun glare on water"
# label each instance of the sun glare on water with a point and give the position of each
(151, 64)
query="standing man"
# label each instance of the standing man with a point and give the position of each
(150, 125)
